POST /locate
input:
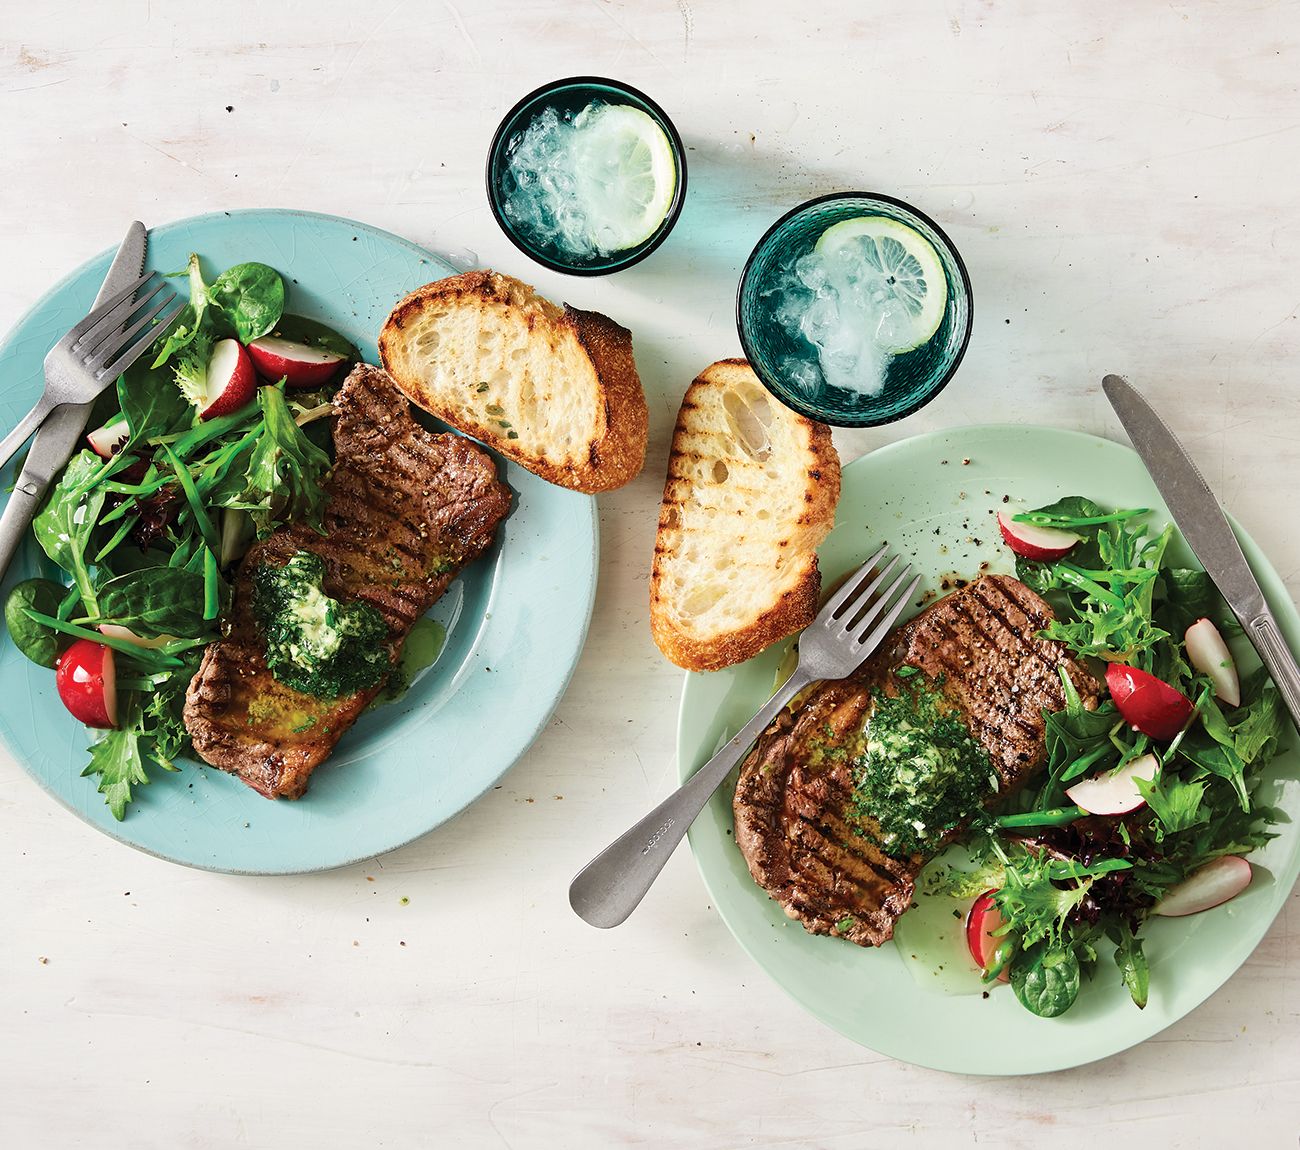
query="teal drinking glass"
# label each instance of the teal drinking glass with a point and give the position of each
(788, 363)
(568, 98)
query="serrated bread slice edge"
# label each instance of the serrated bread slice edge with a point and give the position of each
(553, 388)
(746, 504)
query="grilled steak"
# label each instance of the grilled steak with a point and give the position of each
(800, 821)
(407, 509)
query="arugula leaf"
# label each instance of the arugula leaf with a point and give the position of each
(64, 525)
(192, 318)
(251, 297)
(156, 601)
(1175, 801)
(1259, 723)
(118, 760)
(1132, 962)
(285, 471)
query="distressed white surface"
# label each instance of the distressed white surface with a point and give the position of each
(1121, 179)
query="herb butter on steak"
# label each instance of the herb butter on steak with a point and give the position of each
(845, 798)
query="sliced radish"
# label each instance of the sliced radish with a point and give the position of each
(1209, 654)
(229, 383)
(298, 364)
(982, 920)
(114, 631)
(1030, 542)
(86, 677)
(1214, 883)
(1115, 792)
(108, 440)
(1147, 704)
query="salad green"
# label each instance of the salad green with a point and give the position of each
(146, 537)
(1067, 882)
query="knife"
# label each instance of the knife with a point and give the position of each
(1206, 530)
(58, 435)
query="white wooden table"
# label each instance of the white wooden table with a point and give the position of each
(1121, 180)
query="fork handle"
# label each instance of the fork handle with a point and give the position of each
(17, 517)
(30, 422)
(610, 887)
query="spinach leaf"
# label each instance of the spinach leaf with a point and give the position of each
(1132, 963)
(41, 644)
(1046, 979)
(156, 601)
(1077, 740)
(251, 297)
(151, 403)
(1188, 595)
(65, 523)
(192, 318)
(285, 471)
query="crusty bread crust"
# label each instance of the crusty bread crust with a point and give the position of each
(590, 366)
(794, 591)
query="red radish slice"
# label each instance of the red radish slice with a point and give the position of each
(108, 440)
(1214, 883)
(231, 380)
(981, 921)
(298, 364)
(1146, 703)
(1115, 792)
(86, 677)
(113, 631)
(1209, 654)
(1032, 542)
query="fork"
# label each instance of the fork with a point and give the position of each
(95, 352)
(848, 628)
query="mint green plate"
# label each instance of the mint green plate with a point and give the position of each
(516, 619)
(934, 498)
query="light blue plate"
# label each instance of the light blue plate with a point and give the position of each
(516, 619)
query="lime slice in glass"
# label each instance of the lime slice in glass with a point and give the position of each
(624, 173)
(902, 265)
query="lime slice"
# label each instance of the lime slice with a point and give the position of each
(903, 265)
(624, 171)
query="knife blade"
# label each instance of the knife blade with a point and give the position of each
(58, 435)
(1207, 531)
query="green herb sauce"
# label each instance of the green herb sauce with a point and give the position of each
(918, 771)
(314, 643)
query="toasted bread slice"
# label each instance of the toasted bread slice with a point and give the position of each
(555, 389)
(751, 492)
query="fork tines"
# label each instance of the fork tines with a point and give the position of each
(863, 612)
(105, 345)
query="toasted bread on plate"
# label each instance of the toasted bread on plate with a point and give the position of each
(553, 388)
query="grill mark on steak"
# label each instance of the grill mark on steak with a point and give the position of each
(407, 508)
(822, 860)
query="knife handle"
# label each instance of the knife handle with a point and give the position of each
(18, 514)
(1278, 659)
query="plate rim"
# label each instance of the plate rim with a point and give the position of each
(561, 688)
(923, 438)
